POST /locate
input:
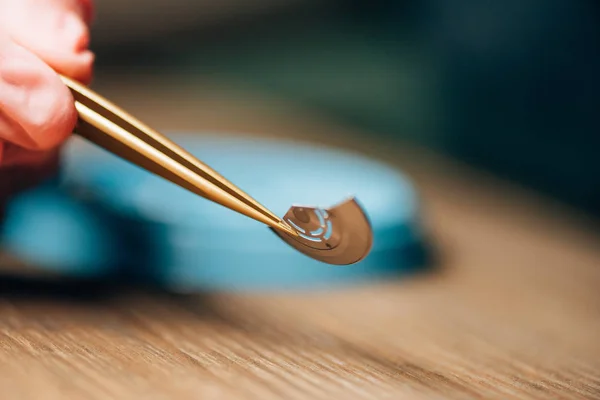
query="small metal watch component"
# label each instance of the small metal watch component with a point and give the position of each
(340, 235)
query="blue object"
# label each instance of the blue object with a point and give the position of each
(48, 228)
(187, 243)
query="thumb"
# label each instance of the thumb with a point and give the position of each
(37, 110)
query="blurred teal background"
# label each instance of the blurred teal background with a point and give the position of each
(510, 86)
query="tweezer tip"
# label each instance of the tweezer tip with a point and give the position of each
(282, 226)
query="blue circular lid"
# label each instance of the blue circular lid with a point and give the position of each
(188, 243)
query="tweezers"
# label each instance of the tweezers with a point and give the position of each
(108, 126)
(338, 235)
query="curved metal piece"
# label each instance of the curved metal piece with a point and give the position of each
(340, 235)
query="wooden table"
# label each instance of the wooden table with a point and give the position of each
(511, 311)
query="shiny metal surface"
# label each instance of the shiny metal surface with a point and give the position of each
(340, 235)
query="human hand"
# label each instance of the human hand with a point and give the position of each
(38, 39)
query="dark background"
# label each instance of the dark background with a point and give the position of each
(510, 86)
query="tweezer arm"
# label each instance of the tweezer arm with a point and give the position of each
(111, 128)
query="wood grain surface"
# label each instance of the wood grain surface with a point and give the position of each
(511, 309)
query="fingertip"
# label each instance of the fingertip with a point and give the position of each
(37, 109)
(81, 67)
(56, 121)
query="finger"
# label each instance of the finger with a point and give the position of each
(37, 110)
(55, 30)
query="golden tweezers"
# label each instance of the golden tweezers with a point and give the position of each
(340, 235)
(108, 126)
